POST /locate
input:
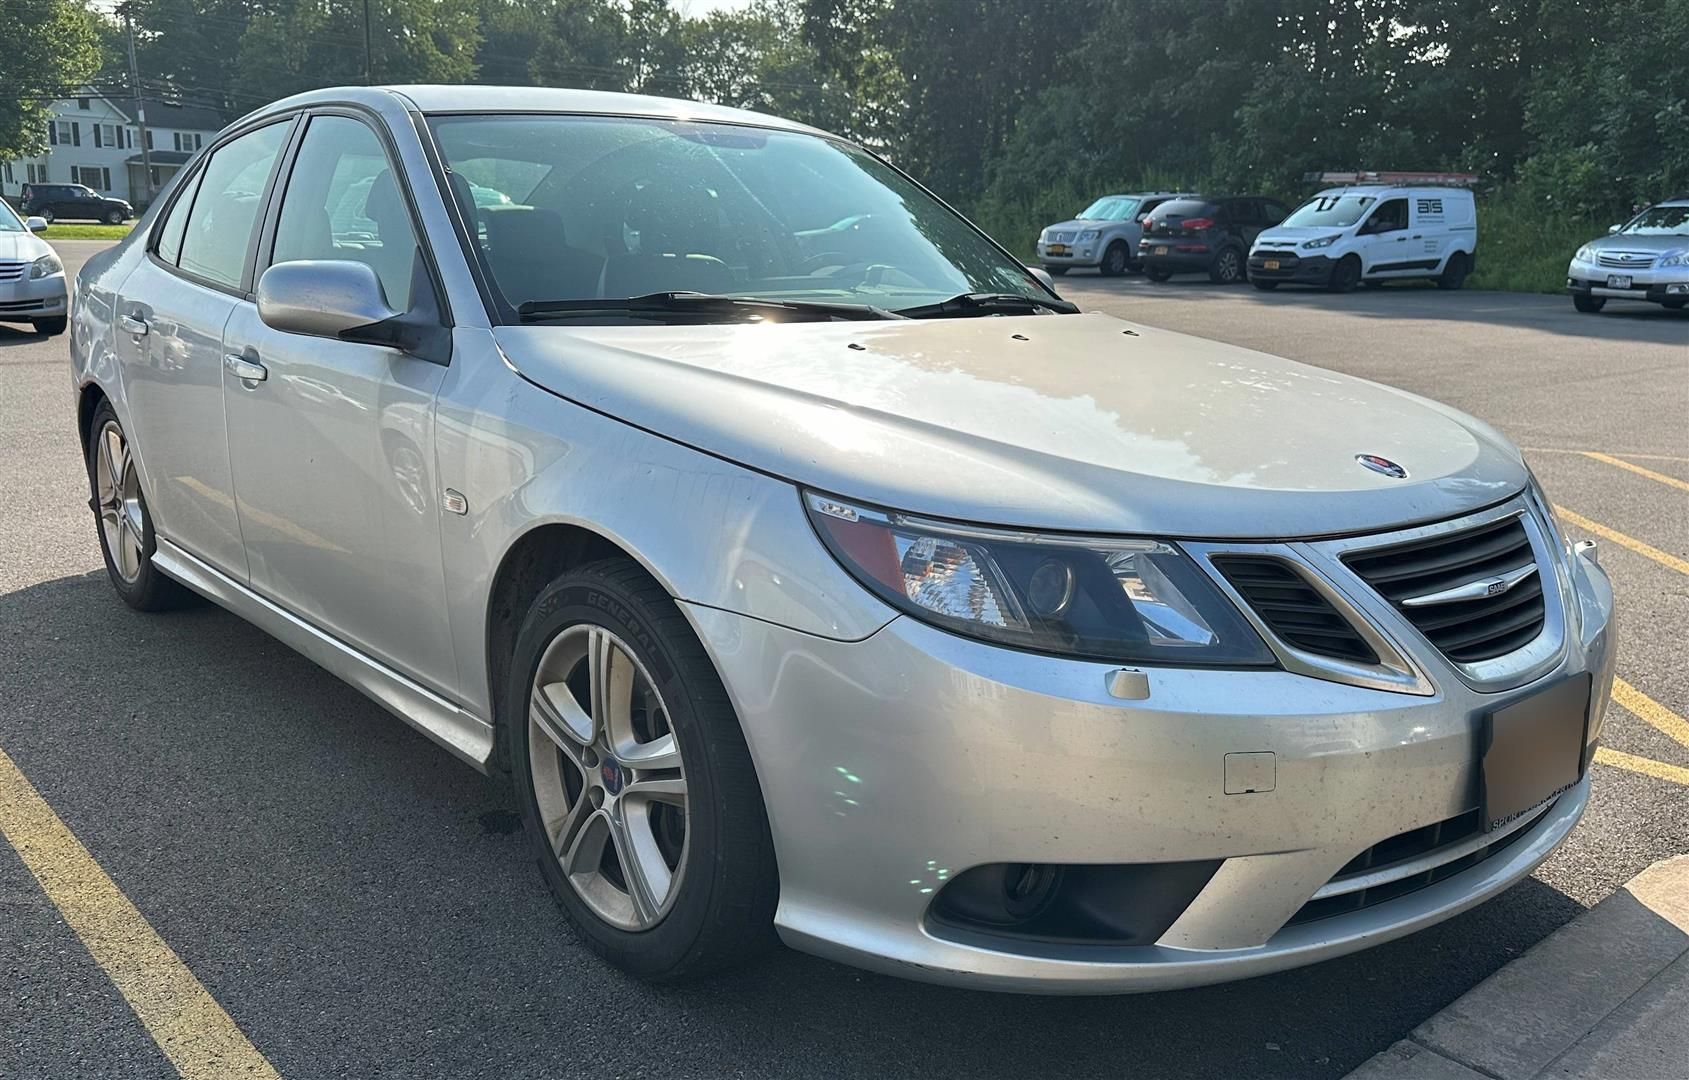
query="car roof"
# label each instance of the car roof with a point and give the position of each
(1391, 189)
(532, 99)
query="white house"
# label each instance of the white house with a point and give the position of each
(94, 140)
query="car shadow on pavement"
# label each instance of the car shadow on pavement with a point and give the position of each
(363, 904)
(17, 334)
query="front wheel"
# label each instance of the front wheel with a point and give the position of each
(1588, 304)
(1674, 305)
(636, 787)
(1157, 273)
(1454, 274)
(114, 217)
(1346, 274)
(1115, 260)
(1264, 286)
(49, 327)
(1055, 271)
(126, 534)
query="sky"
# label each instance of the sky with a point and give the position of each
(699, 8)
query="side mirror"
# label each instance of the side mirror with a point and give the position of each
(36, 224)
(1611, 229)
(344, 300)
(322, 298)
(1044, 278)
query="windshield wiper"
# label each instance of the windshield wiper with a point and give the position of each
(966, 304)
(660, 304)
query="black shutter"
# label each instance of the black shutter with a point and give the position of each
(96, 135)
(53, 132)
(75, 133)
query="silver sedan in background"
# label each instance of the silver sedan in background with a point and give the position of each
(1104, 235)
(32, 279)
(835, 582)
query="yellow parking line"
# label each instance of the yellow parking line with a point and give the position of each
(1618, 759)
(1626, 453)
(1619, 538)
(1637, 469)
(1651, 711)
(194, 1032)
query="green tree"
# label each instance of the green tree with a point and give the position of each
(52, 48)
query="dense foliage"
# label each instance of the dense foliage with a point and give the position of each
(48, 45)
(1020, 110)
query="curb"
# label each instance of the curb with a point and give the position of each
(1606, 995)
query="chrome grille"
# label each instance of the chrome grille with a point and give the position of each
(1475, 594)
(1061, 238)
(1621, 260)
(12, 271)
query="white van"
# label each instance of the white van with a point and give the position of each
(1370, 234)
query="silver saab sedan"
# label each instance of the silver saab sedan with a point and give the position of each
(814, 571)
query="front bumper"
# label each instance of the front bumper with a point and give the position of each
(26, 299)
(1292, 267)
(1086, 254)
(892, 765)
(1651, 285)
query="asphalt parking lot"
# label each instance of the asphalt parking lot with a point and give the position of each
(361, 905)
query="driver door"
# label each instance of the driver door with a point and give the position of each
(1385, 251)
(332, 443)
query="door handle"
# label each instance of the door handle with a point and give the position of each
(134, 324)
(242, 368)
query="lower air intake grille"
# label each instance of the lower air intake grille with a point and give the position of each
(1293, 608)
(1481, 626)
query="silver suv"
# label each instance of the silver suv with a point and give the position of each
(1104, 235)
(810, 568)
(1646, 258)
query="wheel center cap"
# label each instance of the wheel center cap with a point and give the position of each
(611, 774)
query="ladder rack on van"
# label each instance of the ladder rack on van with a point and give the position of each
(1404, 179)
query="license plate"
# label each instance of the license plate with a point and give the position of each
(1270, 264)
(1533, 750)
(1057, 249)
(1162, 250)
(1618, 281)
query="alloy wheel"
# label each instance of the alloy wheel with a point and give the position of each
(607, 777)
(117, 494)
(1230, 267)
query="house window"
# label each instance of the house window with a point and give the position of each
(65, 133)
(107, 135)
(6, 171)
(82, 103)
(96, 177)
(35, 174)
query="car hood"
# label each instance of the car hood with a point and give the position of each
(1297, 233)
(1080, 224)
(1078, 422)
(21, 247)
(1634, 242)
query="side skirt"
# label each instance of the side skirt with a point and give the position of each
(467, 736)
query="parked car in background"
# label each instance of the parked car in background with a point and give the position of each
(1104, 235)
(810, 567)
(32, 280)
(73, 202)
(1646, 258)
(1205, 234)
(1370, 234)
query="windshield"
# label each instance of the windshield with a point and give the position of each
(1660, 221)
(1330, 211)
(1110, 208)
(9, 221)
(580, 207)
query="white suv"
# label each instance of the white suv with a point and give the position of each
(1370, 234)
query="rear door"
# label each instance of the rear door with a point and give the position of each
(169, 341)
(333, 449)
(1430, 219)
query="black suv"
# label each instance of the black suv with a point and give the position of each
(1205, 234)
(64, 201)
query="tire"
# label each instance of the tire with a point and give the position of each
(48, 216)
(49, 327)
(718, 873)
(1055, 271)
(1588, 304)
(1674, 305)
(1227, 267)
(124, 526)
(1372, 283)
(1264, 286)
(1345, 275)
(114, 217)
(1454, 271)
(1157, 273)
(1116, 258)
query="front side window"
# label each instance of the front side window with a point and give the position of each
(578, 207)
(219, 228)
(342, 202)
(1331, 211)
(1660, 221)
(9, 221)
(1110, 208)
(1389, 217)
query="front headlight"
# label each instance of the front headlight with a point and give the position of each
(1584, 254)
(1321, 241)
(1122, 600)
(1675, 258)
(46, 266)
(1089, 234)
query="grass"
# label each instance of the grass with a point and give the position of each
(57, 231)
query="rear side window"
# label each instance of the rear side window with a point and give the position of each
(1186, 208)
(232, 185)
(170, 233)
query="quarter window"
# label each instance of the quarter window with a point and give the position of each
(219, 229)
(176, 224)
(343, 202)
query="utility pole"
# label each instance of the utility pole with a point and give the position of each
(369, 63)
(140, 106)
